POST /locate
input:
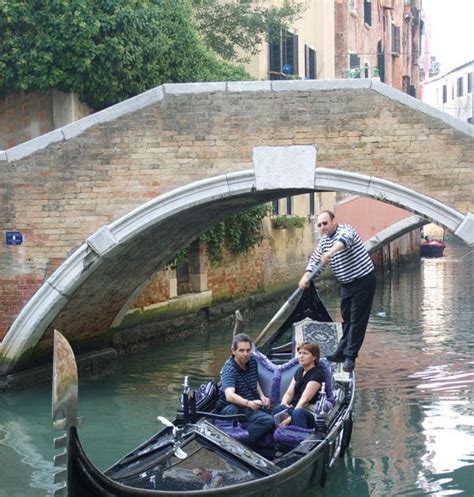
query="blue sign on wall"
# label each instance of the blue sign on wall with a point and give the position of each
(287, 68)
(14, 238)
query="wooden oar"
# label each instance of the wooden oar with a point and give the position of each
(295, 296)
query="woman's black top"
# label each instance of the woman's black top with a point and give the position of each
(314, 374)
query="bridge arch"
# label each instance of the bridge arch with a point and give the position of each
(98, 281)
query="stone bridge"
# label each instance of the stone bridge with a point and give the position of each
(105, 202)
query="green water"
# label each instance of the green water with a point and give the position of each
(414, 416)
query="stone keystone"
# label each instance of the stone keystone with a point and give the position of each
(290, 167)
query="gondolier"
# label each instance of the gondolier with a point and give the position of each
(342, 247)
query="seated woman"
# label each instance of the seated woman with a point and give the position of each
(303, 390)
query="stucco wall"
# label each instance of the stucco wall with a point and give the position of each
(24, 116)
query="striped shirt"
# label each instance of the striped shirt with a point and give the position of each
(244, 381)
(348, 264)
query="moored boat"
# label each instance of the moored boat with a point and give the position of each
(432, 248)
(203, 453)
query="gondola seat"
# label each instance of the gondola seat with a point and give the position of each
(290, 436)
(274, 380)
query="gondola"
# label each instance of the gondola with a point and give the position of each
(202, 453)
(432, 248)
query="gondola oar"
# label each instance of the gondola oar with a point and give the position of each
(294, 297)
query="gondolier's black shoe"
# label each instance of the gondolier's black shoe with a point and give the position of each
(349, 365)
(335, 358)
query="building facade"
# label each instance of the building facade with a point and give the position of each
(452, 92)
(379, 38)
(305, 51)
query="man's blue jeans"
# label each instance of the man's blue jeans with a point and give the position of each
(299, 417)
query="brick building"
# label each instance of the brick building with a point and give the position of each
(379, 38)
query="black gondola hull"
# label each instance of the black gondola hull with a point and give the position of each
(291, 473)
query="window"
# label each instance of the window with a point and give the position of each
(470, 78)
(460, 87)
(283, 55)
(368, 12)
(445, 93)
(405, 83)
(381, 61)
(312, 204)
(309, 62)
(289, 205)
(276, 207)
(395, 40)
(354, 64)
(274, 63)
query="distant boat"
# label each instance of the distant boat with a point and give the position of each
(432, 248)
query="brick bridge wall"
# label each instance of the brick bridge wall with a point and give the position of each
(62, 187)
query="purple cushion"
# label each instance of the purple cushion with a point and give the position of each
(267, 441)
(238, 432)
(291, 435)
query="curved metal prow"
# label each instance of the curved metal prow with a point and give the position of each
(178, 451)
(63, 405)
(239, 324)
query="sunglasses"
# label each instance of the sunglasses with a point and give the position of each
(323, 223)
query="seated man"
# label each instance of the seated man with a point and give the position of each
(242, 392)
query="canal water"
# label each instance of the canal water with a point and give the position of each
(414, 416)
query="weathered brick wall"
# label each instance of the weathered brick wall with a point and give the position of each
(353, 35)
(62, 194)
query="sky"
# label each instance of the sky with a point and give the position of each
(452, 31)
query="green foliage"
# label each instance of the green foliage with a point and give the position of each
(179, 258)
(104, 51)
(288, 222)
(232, 27)
(214, 240)
(239, 233)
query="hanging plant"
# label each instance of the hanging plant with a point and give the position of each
(288, 222)
(239, 233)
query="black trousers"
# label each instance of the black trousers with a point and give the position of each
(356, 303)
